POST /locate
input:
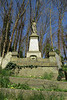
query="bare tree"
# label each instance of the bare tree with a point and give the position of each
(16, 23)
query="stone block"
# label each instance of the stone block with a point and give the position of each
(6, 60)
(51, 53)
(14, 54)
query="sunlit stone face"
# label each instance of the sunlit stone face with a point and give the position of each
(33, 46)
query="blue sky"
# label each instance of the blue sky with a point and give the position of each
(43, 17)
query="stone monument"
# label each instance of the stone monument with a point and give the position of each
(34, 64)
(34, 45)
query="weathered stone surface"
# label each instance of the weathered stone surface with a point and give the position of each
(0, 60)
(55, 58)
(33, 46)
(27, 93)
(37, 83)
(58, 60)
(6, 60)
(43, 65)
(14, 54)
(35, 62)
(37, 72)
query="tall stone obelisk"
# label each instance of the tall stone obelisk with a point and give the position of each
(34, 45)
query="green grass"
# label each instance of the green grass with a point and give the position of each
(19, 86)
(4, 81)
(49, 89)
(45, 76)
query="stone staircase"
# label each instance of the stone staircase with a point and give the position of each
(47, 85)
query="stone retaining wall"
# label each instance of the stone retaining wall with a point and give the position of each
(39, 83)
(37, 71)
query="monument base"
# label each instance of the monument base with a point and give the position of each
(34, 54)
(37, 72)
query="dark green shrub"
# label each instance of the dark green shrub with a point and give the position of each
(57, 51)
(59, 78)
(65, 75)
(65, 71)
(19, 86)
(25, 86)
(5, 72)
(10, 65)
(62, 60)
(2, 96)
(4, 81)
(0, 71)
(61, 75)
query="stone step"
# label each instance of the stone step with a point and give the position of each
(26, 94)
(40, 83)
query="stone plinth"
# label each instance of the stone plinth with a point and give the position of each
(34, 46)
(14, 54)
(34, 53)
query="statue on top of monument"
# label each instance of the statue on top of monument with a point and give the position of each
(34, 30)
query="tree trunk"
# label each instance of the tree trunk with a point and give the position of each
(15, 40)
(16, 23)
(51, 32)
(20, 41)
(59, 31)
(27, 40)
